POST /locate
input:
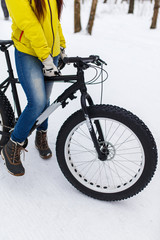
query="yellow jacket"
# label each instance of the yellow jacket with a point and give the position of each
(34, 37)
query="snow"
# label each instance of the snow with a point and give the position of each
(42, 204)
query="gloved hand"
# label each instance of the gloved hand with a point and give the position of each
(49, 69)
(62, 53)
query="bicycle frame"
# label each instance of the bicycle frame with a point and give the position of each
(69, 93)
(79, 84)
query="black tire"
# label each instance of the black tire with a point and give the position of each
(6, 119)
(132, 158)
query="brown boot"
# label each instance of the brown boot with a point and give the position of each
(42, 144)
(11, 154)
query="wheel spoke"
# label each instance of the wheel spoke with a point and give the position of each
(77, 143)
(1, 128)
(83, 134)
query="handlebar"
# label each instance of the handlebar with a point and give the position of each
(91, 59)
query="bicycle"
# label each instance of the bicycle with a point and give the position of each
(104, 151)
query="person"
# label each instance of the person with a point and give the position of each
(5, 10)
(38, 41)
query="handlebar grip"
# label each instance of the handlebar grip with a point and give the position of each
(71, 59)
(80, 59)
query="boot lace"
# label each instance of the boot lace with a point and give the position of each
(44, 142)
(17, 150)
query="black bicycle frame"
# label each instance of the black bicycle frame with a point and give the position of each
(78, 84)
(85, 97)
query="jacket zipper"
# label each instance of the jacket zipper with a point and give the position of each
(51, 25)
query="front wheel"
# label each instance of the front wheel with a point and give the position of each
(131, 153)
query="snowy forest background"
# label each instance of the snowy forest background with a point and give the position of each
(42, 204)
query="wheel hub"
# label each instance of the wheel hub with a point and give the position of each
(108, 149)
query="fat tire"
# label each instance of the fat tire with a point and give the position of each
(8, 119)
(132, 122)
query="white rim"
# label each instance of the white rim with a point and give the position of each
(119, 172)
(1, 128)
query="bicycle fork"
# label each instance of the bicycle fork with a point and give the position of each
(96, 141)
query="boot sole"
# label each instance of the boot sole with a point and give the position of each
(43, 157)
(18, 174)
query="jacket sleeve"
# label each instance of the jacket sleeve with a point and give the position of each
(26, 20)
(62, 39)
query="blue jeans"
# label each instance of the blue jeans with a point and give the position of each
(29, 69)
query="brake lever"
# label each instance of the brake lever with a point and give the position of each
(102, 61)
(97, 60)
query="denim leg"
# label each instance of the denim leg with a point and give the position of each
(29, 69)
(48, 88)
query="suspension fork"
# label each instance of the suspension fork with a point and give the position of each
(84, 98)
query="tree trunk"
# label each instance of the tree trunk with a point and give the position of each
(92, 16)
(155, 14)
(77, 16)
(105, 1)
(131, 6)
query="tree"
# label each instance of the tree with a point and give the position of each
(131, 6)
(155, 14)
(77, 16)
(105, 1)
(92, 16)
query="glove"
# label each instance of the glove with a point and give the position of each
(49, 69)
(61, 64)
(62, 53)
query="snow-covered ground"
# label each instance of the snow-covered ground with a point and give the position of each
(42, 204)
